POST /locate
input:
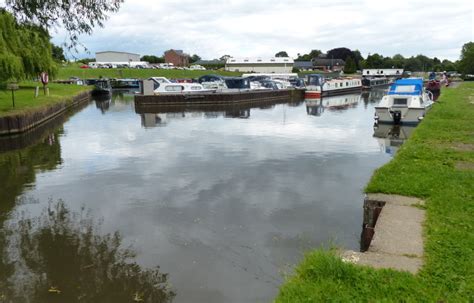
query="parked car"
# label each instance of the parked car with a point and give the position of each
(197, 67)
(84, 66)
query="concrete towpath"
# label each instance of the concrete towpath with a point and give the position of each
(398, 235)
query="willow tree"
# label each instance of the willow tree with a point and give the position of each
(25, 25)
(76, 17)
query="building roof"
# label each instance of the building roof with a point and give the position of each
(327, 62)
(117, 52)
(303, 64)
(209, 62)
(259, 60)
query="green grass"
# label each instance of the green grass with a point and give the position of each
(423, 167)
(90, 73)
(25, 101)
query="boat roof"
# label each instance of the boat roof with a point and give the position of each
(408, 86)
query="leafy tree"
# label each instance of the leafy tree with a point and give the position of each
(25, 50)
(447, 65)
(425, 62)
(357, 58)
(152, 59)
(398, 61)
(76, 17)
(412, 64)
(350, 66)
(281, 54)
(466, 64)
(308, 57)
(194, 58)
(374, 61)
(225, 57)
(339, 53)
(58, 53)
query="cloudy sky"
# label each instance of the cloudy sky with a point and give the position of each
(212, 28)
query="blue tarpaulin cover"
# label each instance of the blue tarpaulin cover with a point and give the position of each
(409, 86)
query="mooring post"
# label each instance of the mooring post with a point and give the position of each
(13, 87)
(13, 97)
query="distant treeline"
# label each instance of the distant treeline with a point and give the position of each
(354, 60)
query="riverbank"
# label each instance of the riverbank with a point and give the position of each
(30, 112)
(65, 73)
(437, 165)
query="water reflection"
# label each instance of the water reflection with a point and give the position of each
(18, 168)
(373, 96)
(315, 107)
(61, 256)
(118, 101)
(391, 137)
(161, 115)
(224, 204)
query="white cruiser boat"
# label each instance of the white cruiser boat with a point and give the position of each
(405, 103)
(162, 85)
(317, 86)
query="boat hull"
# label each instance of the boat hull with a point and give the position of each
(314, 94)
(407, 115)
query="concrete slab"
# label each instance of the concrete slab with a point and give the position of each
(398, 235)
(394, 199)
(399, 231)
(382, 260)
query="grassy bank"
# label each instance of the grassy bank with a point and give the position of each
(25, 101)
(436, 164)
(90, 73)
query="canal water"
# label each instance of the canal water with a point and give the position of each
(224, 200)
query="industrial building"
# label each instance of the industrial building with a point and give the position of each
(112, 56)
(260, 65)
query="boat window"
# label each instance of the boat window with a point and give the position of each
(405, 88)
(335, 84)
(273, 60)
(314, 80)
(246, 60)
(173, 88)
(347, 83)
(399, 101)
(195, 87)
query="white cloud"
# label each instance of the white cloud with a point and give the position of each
(250, 28)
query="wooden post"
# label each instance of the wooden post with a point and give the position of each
(13, 97)
(13, 87)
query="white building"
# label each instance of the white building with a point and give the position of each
(382, 72)
(112, 56)
(260, 65)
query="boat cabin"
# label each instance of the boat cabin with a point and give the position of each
(409, 87)
(237, 83)
(315, 79)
